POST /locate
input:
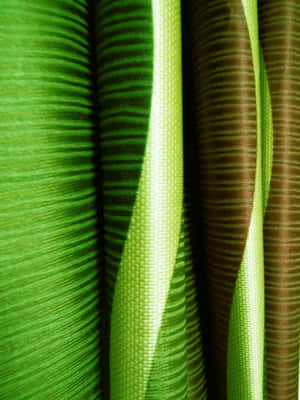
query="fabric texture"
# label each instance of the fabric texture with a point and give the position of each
(50, 301)
(149, 179)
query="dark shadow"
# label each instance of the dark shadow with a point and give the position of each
(104, 323)
(194, 198)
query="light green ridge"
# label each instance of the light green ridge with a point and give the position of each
(150, 250)
(267, 155)
(246, 325)
(267, 132)
(168, 375)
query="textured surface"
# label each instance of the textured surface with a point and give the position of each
(196, 364)
(98, 83)
(246, 328)
(280, 38)
(140, 112)
(49, 297)
(151, 246)
(124, 38)
(227, 107)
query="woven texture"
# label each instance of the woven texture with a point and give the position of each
(149, 278)
(227, 95)
(149, 218)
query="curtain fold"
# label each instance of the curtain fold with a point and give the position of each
(149, 182)
(148, 265)
(50, 301)
(225, 61)
(280, 39)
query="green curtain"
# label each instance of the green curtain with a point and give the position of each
(149, 184)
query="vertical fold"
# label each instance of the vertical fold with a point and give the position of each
(225, 59)
(280, 40)
(153, 311)
(197, 384)
(246, 330)
(151, 293)
(50, 301)
(147, 263)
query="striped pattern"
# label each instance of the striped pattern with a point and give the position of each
(50, 337)
(124, 39)
(196, 366)
(280, 38)
(154, 319)
(225, 105)
(171, 350)
(143, 282)
(179, 350)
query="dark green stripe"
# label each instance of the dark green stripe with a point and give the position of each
(125, 72)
